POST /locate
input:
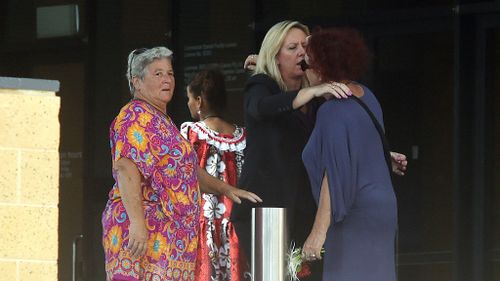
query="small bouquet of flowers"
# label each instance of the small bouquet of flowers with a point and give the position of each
(298, 266)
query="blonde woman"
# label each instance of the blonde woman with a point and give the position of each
(279, 117)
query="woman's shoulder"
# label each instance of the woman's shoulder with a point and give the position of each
(137, 106)
(334, 108)
(362, 88)
(224, 142)
(135, 112)
(262, 79)
(343, 110)
(368, 97)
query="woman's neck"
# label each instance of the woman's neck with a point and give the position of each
(209, 115)
(218, 124)
(162, 107)
(293, 84)
(356, 90)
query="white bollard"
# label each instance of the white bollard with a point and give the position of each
(269, 244)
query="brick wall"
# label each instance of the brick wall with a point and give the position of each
(29, 185)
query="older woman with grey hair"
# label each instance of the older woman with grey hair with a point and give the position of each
(150, 223)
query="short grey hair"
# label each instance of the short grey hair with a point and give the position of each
(139, 59)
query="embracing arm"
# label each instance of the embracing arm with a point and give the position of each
(316, 239)
(261, 101)
(327, 90)
(263, 98)
(210, 184)
(129, 182)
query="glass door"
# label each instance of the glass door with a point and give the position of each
(489, 60)
(413, 78)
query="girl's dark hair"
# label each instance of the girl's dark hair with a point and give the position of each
(210, 85)
(338, 54)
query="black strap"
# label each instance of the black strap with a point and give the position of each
(387, 154)
(385, 143)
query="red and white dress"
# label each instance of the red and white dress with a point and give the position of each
(221, 155)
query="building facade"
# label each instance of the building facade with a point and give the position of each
(436, 72)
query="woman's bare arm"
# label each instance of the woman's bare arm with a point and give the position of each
(316, 239)
(210, 184)
(129, 183)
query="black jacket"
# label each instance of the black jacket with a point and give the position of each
(276, 136)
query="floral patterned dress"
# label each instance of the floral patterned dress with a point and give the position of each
(171, 198)
(219, 254)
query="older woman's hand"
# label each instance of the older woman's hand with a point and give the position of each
(138, 239)
(236, 194)
(210, 184)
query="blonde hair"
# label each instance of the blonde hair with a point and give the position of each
(271, 45)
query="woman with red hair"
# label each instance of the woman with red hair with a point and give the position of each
(349, 167)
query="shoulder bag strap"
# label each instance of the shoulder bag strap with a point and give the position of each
(385, 143)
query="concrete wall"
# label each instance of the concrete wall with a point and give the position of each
(29, 184)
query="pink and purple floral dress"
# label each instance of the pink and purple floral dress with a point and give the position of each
(171, 198)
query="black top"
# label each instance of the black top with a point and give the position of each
(276, 135)
(273, 168)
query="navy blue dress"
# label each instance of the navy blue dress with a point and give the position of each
(347, 147)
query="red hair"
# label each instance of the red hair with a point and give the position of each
(338, 54)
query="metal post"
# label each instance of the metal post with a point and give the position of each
(269, 244)
(75, 256)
